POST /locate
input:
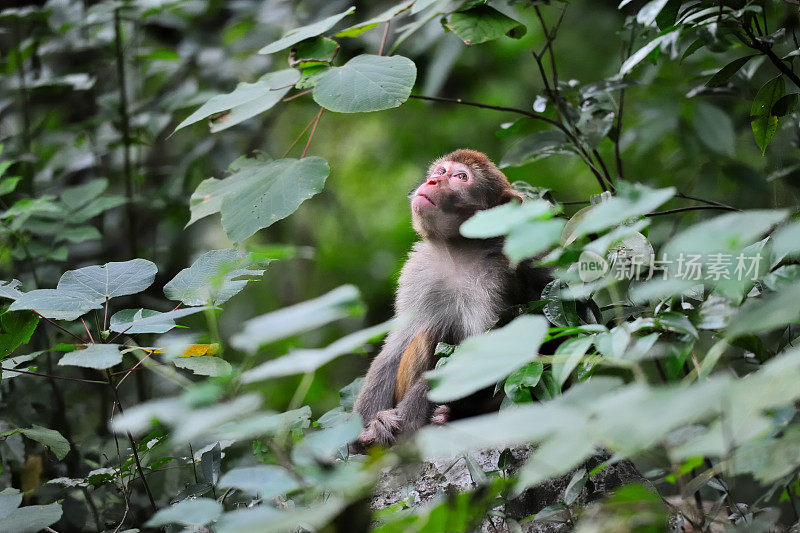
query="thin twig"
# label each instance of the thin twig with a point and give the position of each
(755, 44)
(313, 129)
(93, 509)
(87, 330)
(151, 352)
(194, 466)
(690, 208)
(50, 376)
(621, 108)
(516, 110)
(298, 95)
(385, 35)
(133, 446)
(708, 202)
(65, 330)
(311, 123)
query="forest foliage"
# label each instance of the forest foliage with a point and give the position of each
(202, 219)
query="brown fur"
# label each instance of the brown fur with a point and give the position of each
(415, 360)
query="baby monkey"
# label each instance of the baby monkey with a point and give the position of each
(450, 288)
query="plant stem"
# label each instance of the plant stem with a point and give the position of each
(23, 101)
(516, 110)
(126, 135)
(62, 328)
(690, 208)
(302, 390)
(385, 35)
(133, 446)
(313, 129)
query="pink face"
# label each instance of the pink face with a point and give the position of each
(445, 175)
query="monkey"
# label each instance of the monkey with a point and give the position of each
(450, 288)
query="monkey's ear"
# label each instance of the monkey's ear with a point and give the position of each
(510, 195)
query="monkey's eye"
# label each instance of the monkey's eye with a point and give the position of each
(440, 171)
(462, 176)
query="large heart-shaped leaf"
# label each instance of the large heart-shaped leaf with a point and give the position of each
(247, 100)
(366, 83)
(100, 283)
(265, 194)
(214, 277)
(305, 32)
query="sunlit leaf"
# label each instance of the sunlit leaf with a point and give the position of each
(54, 303)
(205, 366)
(100, 283)
(305, 32)
(194, 512)
(49, 437)
(142, 321)
(215, 277)
(99, 356)
(389, 14)
(296, 319)
(266, 481)
(482, 360)
(256, 198)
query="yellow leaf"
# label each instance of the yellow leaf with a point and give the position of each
(198, 350)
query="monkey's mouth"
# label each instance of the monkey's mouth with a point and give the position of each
(428, 198)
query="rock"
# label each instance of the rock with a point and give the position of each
(423, 483)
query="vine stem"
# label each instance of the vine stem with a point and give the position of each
(313, 129)
(133, 446)
(126, 134)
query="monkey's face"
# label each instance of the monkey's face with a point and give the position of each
(451, 193)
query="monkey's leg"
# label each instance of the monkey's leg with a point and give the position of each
(415, 409)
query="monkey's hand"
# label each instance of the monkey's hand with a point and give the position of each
(441, 415)
(382, 429)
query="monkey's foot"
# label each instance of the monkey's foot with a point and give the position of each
(441, 415)
(382, 429)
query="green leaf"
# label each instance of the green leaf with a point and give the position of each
(31, 518)
(9, 501)
(766, 313)
(129, 316)
(147, 321)
(267, 518)
(256, 198)
(48, 437)
(763, 122)
(366, 83)
(389, 14)
(7, 185)
(501, 220)
(535, 146)
(485, 359)
(638, 56)
(215, 277)
(101, 283)
(483, 23)
(266, 481)
(517, 385)
(301, 361)
(205, 365)
(715, 128)
(785, 105)
(725, 73)
(559, 311)
(99, 356)
(194, 512)
(676, 322)
(568, 355)
(647, 15)
(305, 32)
(320, 51)
(724, 233)
(10, 289)
(296, 319)
(631, 201)
(16, 328)
(247, 100)
(532, 238)
(54, 303)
